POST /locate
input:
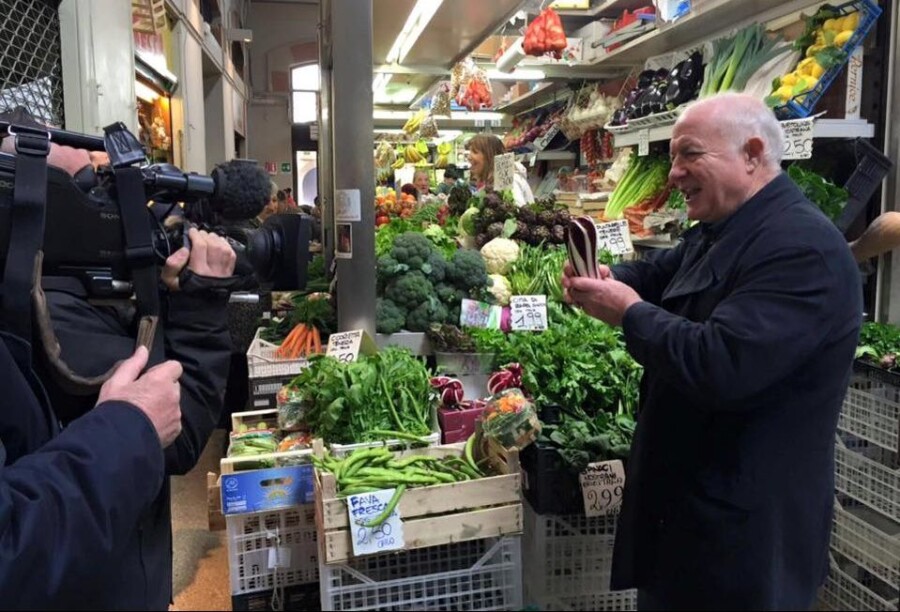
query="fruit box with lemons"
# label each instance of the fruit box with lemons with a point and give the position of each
(830, 37)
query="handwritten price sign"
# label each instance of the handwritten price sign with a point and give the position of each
(798, 138)
(615, 237)
(504, 171)
(386, 536)
(345, 346)
(601, 486)
(528, 312)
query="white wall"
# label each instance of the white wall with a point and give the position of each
(283, 35)
(98, 64)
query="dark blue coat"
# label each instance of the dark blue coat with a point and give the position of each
(747, 337)
(107, 542)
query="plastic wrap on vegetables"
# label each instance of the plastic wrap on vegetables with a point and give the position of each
(291, 409)
(250, 443)
(511, 419)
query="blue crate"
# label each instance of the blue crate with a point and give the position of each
(868, 14)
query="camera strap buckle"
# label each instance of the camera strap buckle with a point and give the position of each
(30, 140)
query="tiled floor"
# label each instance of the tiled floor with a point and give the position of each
(201, 556)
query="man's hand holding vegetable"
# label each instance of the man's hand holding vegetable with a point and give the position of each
(604, 298)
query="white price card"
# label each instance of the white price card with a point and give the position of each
(601, 486)
(643, 142)
(504, 171)
(279, 557)
(347, 205)
(385, 536)
(540, 143)
(346, 346)
(615, 237)
(798, 138)
(528, 312)
(479, 314)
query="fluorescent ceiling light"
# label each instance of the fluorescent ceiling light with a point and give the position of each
(415, 24)
(519, 74)
(145, 93)
(486, 115)
(379, 83)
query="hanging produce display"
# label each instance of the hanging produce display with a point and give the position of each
(545, 35)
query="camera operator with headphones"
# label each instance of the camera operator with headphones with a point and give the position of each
(85, 511)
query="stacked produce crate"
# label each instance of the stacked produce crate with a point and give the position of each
(461, 548)
(567, 555)
(865, 542)
(268, 373)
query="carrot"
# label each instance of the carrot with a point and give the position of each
(310, 342)
(287, 344)
(317, 340)
(296, 348)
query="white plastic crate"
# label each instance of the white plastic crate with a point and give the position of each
(473, 575)
(262, 362)
(873, 481)
(568, 563)
(871, 411)
(254, 541)
(868, 539)
(845, 590)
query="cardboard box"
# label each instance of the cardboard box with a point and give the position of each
(261, 490)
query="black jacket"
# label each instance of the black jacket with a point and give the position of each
(93, 339)
(747, 337)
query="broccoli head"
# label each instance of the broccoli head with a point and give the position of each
(420, 318)
(409, 290)
(448, 294)
(467, 270)
(386, 268)
(436, 268)
(389, 318)
(412, 249)
(453, 314)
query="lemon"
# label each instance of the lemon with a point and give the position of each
(789, 79)
(816, 71)
(785, 92)
(820, 37)
(809, 82)
(830, 25)
(804, 66)
(813, 49)
(851, 21)
(841, 39)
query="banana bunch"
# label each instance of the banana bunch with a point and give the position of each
(384, 154)
(412, 124)
(444, 150)
(401, 159)
(417, 153)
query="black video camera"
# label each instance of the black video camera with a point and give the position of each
(83, 234)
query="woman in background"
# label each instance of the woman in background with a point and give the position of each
(483, 148)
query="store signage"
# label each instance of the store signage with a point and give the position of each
(504, 171)
(798, 138)
(615, 237)
(602, 485)
(542, 142)
(285, 167)
(381, 538)
(528, 312)
(643, 142)
(346, 346)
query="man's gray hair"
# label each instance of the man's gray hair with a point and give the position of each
(741, 117)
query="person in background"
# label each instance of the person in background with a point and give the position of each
(451, 178)
(270, 209)
(422, 182)
(288, 193)
(483, 148)
(410, 189)
(746, 331)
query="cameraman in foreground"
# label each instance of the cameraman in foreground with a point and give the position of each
(85, 512)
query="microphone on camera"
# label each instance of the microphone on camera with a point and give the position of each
(242, 189)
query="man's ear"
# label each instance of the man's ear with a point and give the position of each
(755, 149)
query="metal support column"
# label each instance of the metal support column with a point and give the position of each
(353, 170)
(325, 153)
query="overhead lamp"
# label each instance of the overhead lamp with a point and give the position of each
(416, 23)
(239, 35)
(519, 74)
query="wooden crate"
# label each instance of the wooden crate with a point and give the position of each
(434, 515)
(252, 417)
(215, 517)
